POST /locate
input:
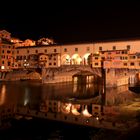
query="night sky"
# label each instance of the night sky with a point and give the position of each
(71, 21)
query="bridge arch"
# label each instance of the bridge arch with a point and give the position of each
(85, 59)
(65, 59)
(76, 59)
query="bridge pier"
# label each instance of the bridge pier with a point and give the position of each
(132, 79)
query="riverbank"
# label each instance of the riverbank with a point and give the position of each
(17, 75)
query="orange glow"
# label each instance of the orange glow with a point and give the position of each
(2, 95)
(74, 110)
(66, 108)
(76, 59)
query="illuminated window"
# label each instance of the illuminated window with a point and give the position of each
(128, 47)
(102, 58)
(100, 48)
(65, 49)
(8, 63)
(36, 51)
(114, 47)
(117, 52)
(88, 49)
(8, 51)
(24, 57)
(96, 64)
(121, 57)
(132, 64)
(132, 57)
(2, 67)
(125, 64)
(76, 49)
(124, 52)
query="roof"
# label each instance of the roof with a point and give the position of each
(5, 41)
(28, 47)
(85, 42)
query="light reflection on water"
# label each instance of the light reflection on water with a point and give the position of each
(33, 93)
(2, 94)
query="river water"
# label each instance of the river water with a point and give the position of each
(33, 93)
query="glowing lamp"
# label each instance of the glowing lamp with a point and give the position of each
(2, 67)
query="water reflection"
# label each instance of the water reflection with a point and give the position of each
(33, 93)
(2, 94)
(26, 96)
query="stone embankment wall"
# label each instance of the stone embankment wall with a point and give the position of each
(22, 75)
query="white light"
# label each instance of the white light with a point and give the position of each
(26, 102)
(97, 118)
(86, 113)
(2, 67)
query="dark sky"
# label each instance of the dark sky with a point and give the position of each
(71, 21)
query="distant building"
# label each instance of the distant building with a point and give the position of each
(45, 41)
(6, 51)
(5, 35)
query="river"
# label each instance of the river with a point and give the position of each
(33, 93)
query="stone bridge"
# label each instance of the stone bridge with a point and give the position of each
(114, 76)
(66, 72)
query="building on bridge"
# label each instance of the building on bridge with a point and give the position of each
(121, 56)
(116, 54)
